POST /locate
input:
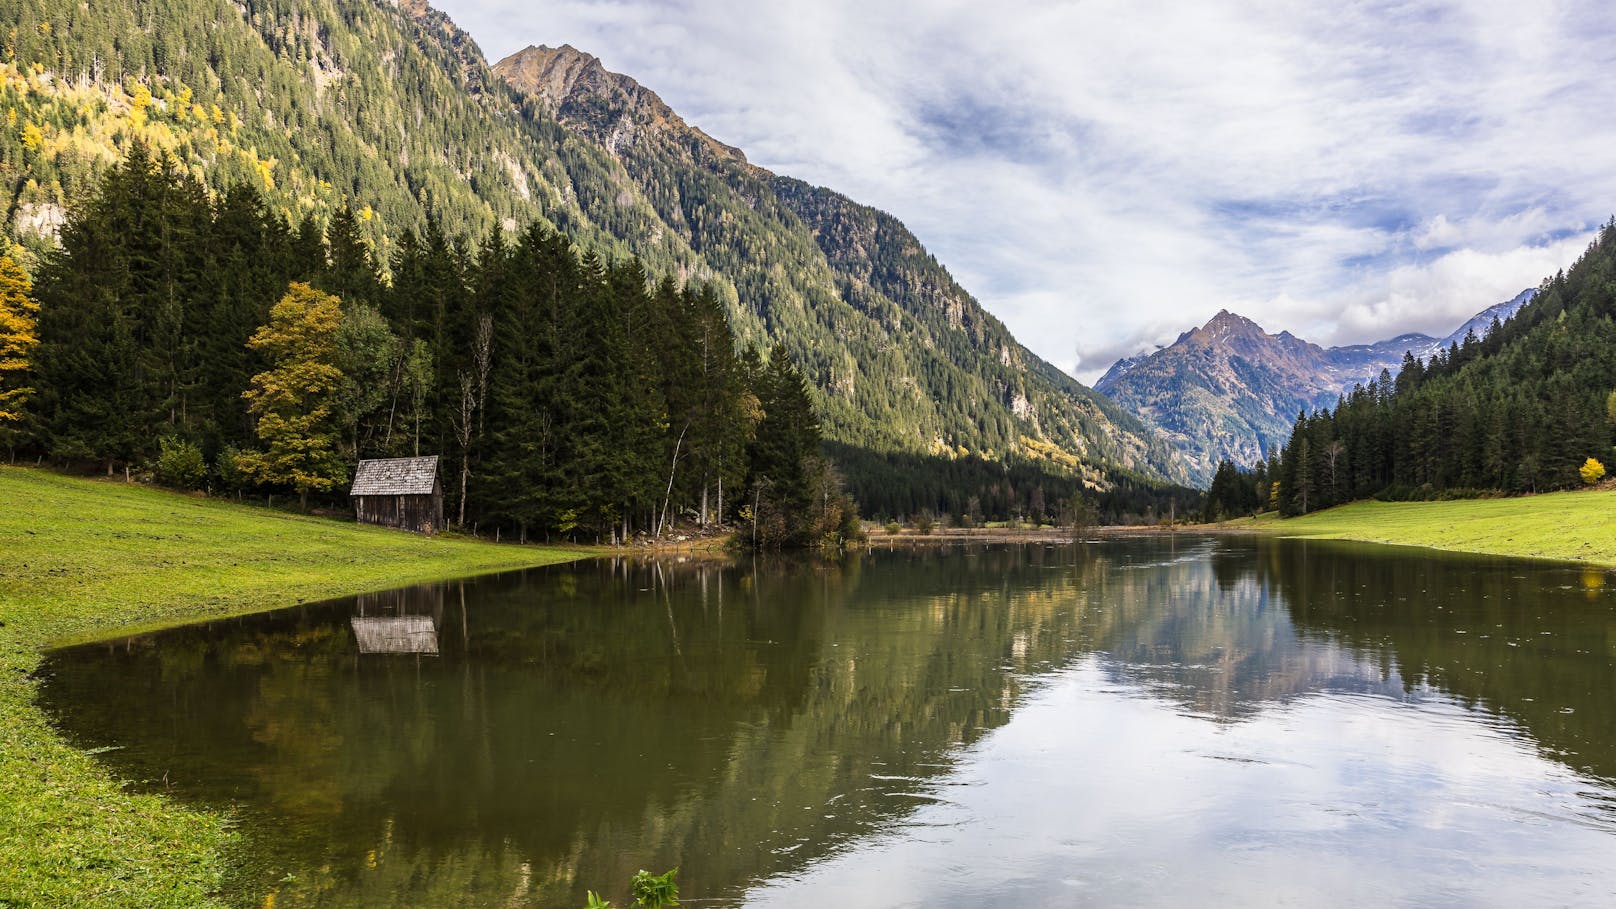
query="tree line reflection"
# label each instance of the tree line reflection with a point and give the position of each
(741, 720)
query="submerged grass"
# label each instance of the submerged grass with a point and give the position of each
(81, 559)
(1568, 526)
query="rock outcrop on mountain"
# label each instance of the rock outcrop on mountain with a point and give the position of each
(1230, 390)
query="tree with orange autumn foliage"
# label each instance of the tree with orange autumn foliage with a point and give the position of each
(18, 337)
(295, 400)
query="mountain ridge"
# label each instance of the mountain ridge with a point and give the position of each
(387, 105)
(854, 268)
(1231, 390)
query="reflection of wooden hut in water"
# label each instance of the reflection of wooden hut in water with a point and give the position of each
(399, 492)
(399, 621)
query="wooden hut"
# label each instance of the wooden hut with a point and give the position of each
(399, 492)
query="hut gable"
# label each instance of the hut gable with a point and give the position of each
(399, 492)
(396, 477)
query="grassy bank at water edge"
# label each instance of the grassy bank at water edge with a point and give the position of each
(83, 558)
(1570, 526)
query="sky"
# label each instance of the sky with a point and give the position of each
(1104, 175)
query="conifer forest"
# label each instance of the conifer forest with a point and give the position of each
(204, 338)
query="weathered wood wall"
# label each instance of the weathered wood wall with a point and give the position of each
(421, 514)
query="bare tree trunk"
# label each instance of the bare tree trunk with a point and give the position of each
(757, 501)
(463, 430)
(465, 476)
(484, 361)
(672, 469)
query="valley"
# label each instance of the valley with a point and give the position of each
(962, 630)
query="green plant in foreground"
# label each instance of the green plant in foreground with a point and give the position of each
(655, 891)
(650, 891)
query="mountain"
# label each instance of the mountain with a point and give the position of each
(1482, 322)
(874, 317)
(1230, 390)
(387, 106)
(1524, 409)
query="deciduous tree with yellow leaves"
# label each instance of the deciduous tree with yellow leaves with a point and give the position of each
(295, 400)
(1592, 471)
(18, 337)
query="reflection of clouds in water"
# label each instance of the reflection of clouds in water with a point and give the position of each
(1022, 724)
(1095, 795)
(1203, 630)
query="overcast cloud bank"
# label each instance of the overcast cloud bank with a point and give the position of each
(1105, 175)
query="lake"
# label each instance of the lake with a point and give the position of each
(1133, 722)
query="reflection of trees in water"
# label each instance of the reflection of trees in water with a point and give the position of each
(581, 723)
(1192, 623)
(739, 721)
(1531, 642)
(1263, 620)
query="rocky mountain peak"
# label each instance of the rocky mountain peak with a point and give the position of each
(613, 108)
(1231, 390)
(1226, 325)
(554, 74)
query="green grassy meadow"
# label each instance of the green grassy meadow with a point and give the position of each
(1569, 526)
(81, 559)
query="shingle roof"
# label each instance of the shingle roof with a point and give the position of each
(396, 477)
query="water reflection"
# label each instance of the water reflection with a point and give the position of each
(398, 621)
(1000, 721)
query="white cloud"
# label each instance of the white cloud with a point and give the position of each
(1105, 175)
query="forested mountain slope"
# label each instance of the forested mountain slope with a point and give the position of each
(908, 360)
(388, 106)
(1231, 391)
(1522, 410)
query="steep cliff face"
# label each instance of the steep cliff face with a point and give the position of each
(1229, 390)
(905, 357)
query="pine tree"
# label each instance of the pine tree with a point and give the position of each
(527, 416)
(350, 269)
(95, 399)
(785, 453)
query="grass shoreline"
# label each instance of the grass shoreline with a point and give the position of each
(1577, 527)
(88, 559)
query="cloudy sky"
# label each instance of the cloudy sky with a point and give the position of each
(1103, 175)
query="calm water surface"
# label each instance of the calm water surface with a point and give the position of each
(1129, 723)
